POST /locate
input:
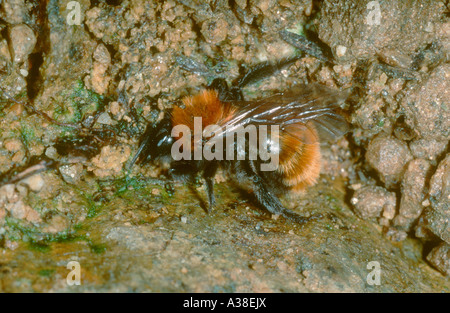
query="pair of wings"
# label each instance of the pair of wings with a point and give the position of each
(300, 105)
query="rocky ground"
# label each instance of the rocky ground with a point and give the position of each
(87, 76)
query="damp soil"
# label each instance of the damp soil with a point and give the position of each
(76, 95)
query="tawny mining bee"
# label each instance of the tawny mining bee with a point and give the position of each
(295, 122)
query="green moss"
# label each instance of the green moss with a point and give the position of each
(93, 209)
(39, 246)
(333, 202)
(126, 183)
(64, 236)
(27, 133)
(78, 227)
(93, 206)
(38, 241)
(80, 102)
(46, 272)
(97, 248)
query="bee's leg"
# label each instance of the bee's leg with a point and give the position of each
(270, 201)
(219, 84)
(263, 70)
(209, 181)
(193, 66)
(226, 93)
(208, 175)
(315, 48)
(256, 73)
(183, 170)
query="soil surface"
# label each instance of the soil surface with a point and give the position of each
(80, 80)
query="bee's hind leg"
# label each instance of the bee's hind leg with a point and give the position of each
(208, 175)
(267, 198)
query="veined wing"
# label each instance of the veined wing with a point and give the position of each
(300, 105)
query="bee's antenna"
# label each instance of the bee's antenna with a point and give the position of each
(137, 155)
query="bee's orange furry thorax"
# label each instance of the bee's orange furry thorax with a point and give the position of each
(205, 105)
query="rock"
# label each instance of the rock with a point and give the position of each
(396, 235)
(68, 60)
(215, 30)
(110, 160)
(33, 216)
(52, 153)
(7, 193)
(437, 218)
(413, 191)
(371, 201)
(367, 27)
(71, 173)
(13, 145)
(15, 11)
(102, 61)
(138, 219)
(422, 230)
(22, 40)
(57, 224)
(340, 51)
(427, 106)
(440, 258)
(388, 156)
(18, 209)
(104, 118)
(35, 182)
(428, 149)
(5, 55)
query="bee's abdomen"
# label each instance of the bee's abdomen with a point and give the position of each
(300, 156)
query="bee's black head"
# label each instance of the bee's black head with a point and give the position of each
(155, 143)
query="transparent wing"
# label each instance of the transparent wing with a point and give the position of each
(300, 105)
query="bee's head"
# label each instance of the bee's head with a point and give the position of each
(155, 143)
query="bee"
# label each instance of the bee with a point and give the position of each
(296, 121)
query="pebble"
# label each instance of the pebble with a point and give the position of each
(71, 173)
(14, 11)
(370, 201)
(340, 51)
(22, 40)
(439, 257)
(412, 192)
(13, 145)
(428, 149)
(35, 182)
(105, 119)
(427, 107)
(102, 61)
(388, 156)
(437, 219)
